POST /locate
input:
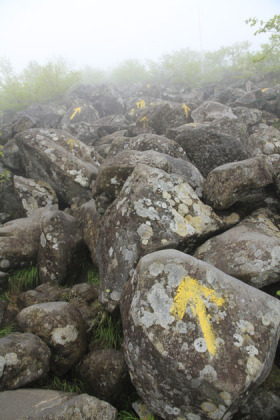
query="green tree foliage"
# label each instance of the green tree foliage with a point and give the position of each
(36, 83)
(182, 67)
(129, 71)
(93, 76)
(267, 60)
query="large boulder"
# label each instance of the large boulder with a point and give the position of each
(42, 404)
(48, 237)
(114, 171)
(249, 251)
(61, 327)
(227, 184)
(264, 139)
(147, 141)
(105, 374)
(157, 119)
(54, 156)
(210, 145)
(33, 195)
(154, 210)
(61, 247)
(24, 358)
(19, 241)
(210, 110)
(196, 340)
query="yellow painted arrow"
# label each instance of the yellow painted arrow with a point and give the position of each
(76, 110)
(190, 291)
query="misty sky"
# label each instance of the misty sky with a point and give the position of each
(103, 33)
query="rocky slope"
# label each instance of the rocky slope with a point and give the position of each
(174, 194)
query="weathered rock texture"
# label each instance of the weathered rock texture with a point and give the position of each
(24, 358)
(153, 211)
(249, 251)
(196, 340)
(61, 327)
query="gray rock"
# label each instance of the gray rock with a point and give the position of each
(42, 404)
(196, 340)
(9, 202)
(210, 145)
(154, 210)
(264, 402)
(24, 358)
(61, 247)
(227, 184)
(264, 139)
(34, 195)
(249, 251)
(248, 116)
(157, 119)
(43, 293)
(105, 374)
(114, 171)
(210, 110)
(61, 327)
(55, 157)
(48, 237)
(19, 241)
(147, 141)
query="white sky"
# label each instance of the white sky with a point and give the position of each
(103, 33)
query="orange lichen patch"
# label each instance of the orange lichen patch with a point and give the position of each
(190, 291)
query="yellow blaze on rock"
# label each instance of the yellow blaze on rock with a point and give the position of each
(190, 291)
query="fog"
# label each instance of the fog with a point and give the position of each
(103, 33)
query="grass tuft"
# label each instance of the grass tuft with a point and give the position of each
(9, 329)
(106, 330)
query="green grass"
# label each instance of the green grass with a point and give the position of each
(106, 330)
(7, 330)
(126, 415)
(93, 277)
(58, 384)
(24, 279)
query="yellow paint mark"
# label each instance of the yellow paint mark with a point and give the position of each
(264, 90)
(141, 104)
(144, 120)
(151, 103)
(148, 85)
(132, 111)
(71, 143)
(186, 109)
(76, 110)
(190, 291)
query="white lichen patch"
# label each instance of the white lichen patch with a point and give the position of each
(156, 268)
(160, 303)
(11, 359)
(208, 374)
(79, 177)
(65, 335)
(143, 207)
(200, 345)
(252, 350)
(145, 232)
(253, 366)
(226, 396)
(246, 327)
(43, 240)
(238, 340)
